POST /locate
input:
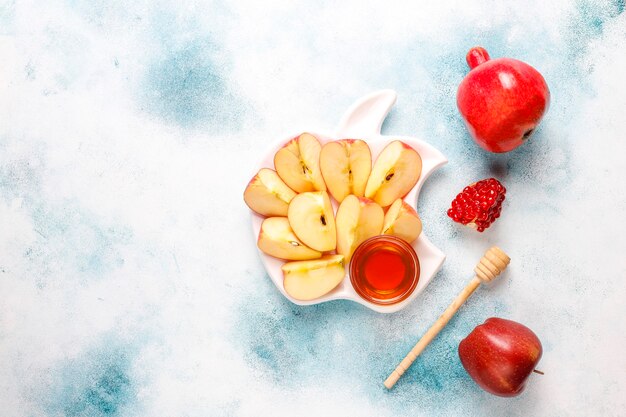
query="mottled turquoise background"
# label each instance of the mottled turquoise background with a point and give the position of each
(130, 284)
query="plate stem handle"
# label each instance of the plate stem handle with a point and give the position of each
(366, 116)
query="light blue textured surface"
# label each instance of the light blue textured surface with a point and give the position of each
(129, 279)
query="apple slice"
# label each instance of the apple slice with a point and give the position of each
(307, 280)
(267, 194)
(312, 220)
(395, 172)
(346, 166)
(358, 219)
(277, 239)
(402, 221)
(298, 164)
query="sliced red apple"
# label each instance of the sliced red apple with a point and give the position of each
(395, 172)
(308, 280)
(311, 218)
(267, 194)
(401, 220)
(346, 166)
(277, 239)
(358, 219)
(297, 163)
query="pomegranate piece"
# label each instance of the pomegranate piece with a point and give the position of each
(479, 204)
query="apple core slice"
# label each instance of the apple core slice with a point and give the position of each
(396, 170)
(297, 163)
(277, 239)
(358, 219)
(311, 217)
(346, 166)
(267, 194)
(308, 280)
(401, 220)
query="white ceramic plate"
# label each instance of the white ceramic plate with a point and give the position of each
(363, 121)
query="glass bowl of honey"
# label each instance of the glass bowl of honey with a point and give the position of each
(384, 270)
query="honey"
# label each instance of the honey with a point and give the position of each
(384, 270)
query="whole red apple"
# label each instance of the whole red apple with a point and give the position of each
(501, 100)
(499, 355)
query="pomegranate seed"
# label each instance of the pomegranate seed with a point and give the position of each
(478, 204)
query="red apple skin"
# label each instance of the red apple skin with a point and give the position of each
(501, 100)
(499, 355)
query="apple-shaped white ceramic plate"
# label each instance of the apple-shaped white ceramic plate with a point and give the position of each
(363, 121)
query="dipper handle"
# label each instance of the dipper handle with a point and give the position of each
(490, 266)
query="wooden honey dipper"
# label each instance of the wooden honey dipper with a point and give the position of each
(490, 266)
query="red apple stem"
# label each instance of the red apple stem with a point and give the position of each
(538, 372)
(476, 56)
